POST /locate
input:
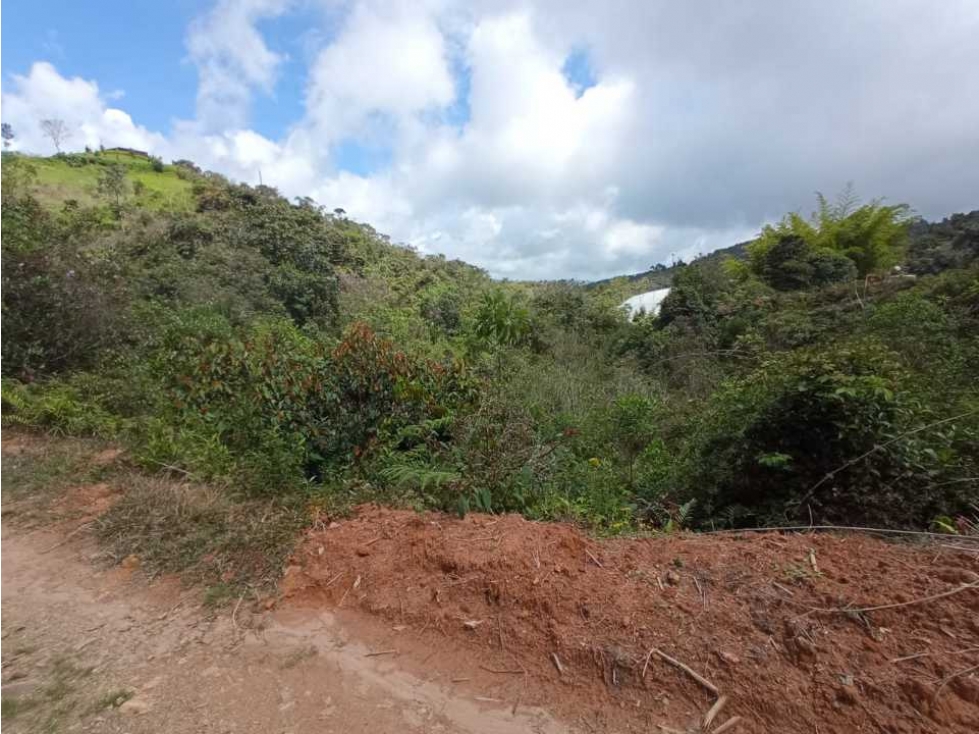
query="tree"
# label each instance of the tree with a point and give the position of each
(113, 183)
(57, 130)
(503, 320)
(872, 236)
(7, 134)
(791, 264)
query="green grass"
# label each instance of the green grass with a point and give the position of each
(13, 707)
(111, 699)
(49, 708)
(164, 191)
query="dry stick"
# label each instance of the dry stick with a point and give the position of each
(729, 724)
(929, 654)
(688, 670)
(557, 663)
(503, 672)
(234, 614)
(331, 581)
(812, 490)
(777, 585)
(645, 665)
(170, 467)
(342, 598)
(68, 537)
(855, 528)
(933, 597)
(380, 652)
(714, 710)
(954, 675)
(597, 562)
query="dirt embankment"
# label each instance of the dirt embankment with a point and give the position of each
(540, 614)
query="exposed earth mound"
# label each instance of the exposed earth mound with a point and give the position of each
(797, 633)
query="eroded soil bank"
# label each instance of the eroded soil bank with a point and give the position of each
(572, 620)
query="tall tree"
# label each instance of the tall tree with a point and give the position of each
(57, 130)
(113, 183)
(7, 133)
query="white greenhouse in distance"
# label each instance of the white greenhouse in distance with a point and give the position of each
(648, 302)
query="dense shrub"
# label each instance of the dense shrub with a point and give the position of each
(872, 236)
(829, 434)
(62, 305)
(281, 348)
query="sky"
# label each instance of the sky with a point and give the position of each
(534, 138)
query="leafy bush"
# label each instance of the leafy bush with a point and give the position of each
(872, 236)
(829, 433)
(62, 306)
(502, 320)
(59, 408)
(791, 263)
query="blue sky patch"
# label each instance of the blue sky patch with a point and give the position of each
(579, 72)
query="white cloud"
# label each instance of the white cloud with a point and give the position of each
(700, 125)
(390, 59)
(44, 94)
(231, 59)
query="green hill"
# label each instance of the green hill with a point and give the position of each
(76, 177)
(281, 351)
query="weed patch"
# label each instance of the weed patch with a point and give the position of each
(205, 532)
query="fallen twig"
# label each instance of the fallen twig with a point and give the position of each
(929, 654)
(714, 710)
(170, 467)
(949, 678)
(688, 670)
(645, 665)
(557, 663)
(727, 725)
(591, 555)
(234, 613)
(380, 652)
(503, 672)
(852, 528)
(923, 600)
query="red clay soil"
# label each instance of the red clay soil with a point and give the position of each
(556, 618)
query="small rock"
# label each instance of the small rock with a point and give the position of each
(728, 658)
(363, 551)
(130, 561)
(672, 578)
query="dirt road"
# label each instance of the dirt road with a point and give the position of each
(103, 651)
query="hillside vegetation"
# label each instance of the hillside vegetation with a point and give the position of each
(284, 352)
